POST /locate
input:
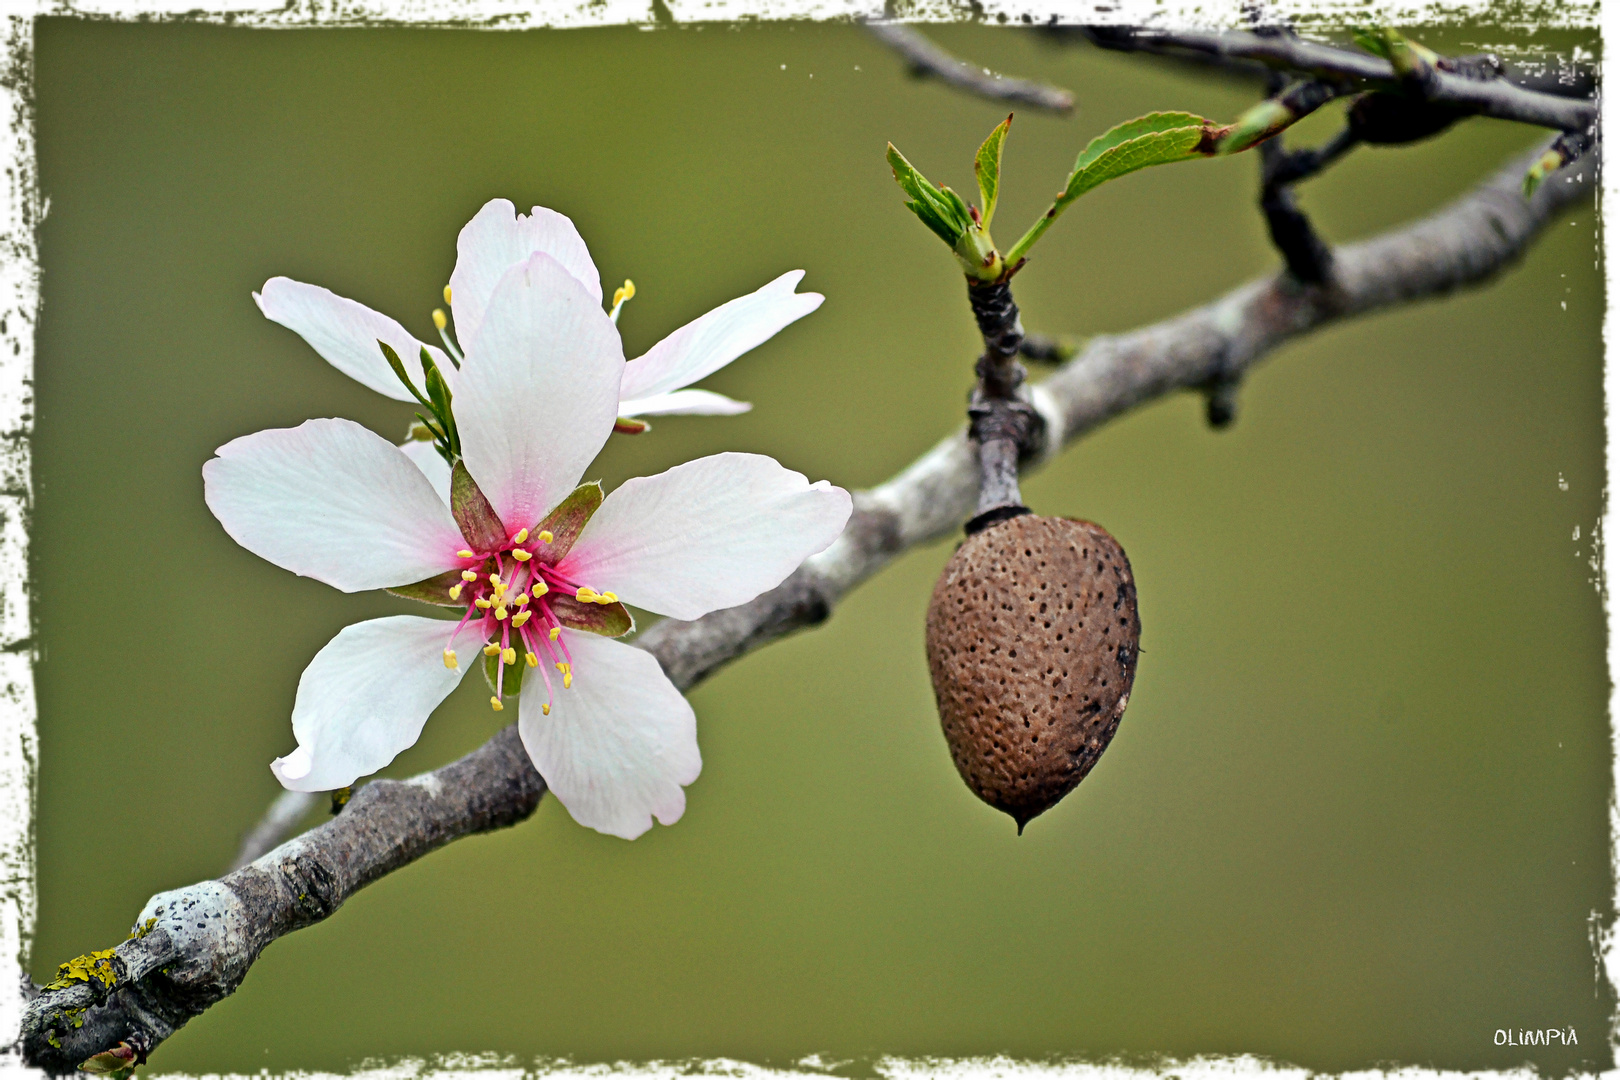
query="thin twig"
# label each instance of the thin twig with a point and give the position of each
(202, 939)
(926, 58)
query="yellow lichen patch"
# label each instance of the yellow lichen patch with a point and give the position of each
(142, 930)
(96, 965)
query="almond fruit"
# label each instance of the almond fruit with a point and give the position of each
(1032, 643)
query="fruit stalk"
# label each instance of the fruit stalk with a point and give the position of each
(1001, 423)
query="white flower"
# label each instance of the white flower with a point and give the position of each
(536, 569)
(346, 333)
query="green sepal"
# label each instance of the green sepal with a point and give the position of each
(565, 522)
(987, 171)
(514, 672)
(608, 620)
(1158, 138)
(479, 523)
(1404, 55)
(433, 590)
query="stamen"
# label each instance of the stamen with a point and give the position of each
(541, 588)
(439, 321)
(509, 655)
(534, 661)
(520, 599)
(520, 555)
(495, 703)
(447, 294)
(450, 660)
(545, 708)
(500, 589)
(484, 604)
(523, 534)
(500, 611)
(620, 295)
(491, 649)
(567, 674)
(608, 598)
(455, 591)
(520, 618)
(494, 579)
(469, 575)
(586, 594)
(464, 554)
(556, 631)
(546, 537)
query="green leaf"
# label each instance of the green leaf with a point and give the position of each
(399, 369)
(1154, 139)
(987, 170)
(928, 202)
(433, 590)
(565, 523)
(479, 523)
(609, 620)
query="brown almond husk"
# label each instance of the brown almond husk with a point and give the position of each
(1032, 644)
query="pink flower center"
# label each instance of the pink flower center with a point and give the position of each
(509, 594)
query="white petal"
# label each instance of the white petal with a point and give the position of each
(424, 457)
(346, 333)
(539, 390)
(618, 747)
(684, 403)
(498, 238)
(366, 695)
(332, 501)
(712, 533)
(711, 342)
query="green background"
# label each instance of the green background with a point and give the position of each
(1356, 813)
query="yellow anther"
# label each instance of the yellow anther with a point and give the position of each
(585, 595)
(439, 320)
(494, 579)
(500, 611)
(521, 617)
(555, 632)
(500, 589)
(523, 534)
(608, 598)
(447, 294)
(546, 537)
(534, 661)
(469, 575)
(495, 703)
(483, 604)
(622, 293)
(562, 667)
(520, 599)
(509, 656)
(520, 555)
(541, 588)
(455, 591)
(545, 710)
(568, 680)
(450, 659)
(464, 554)
(491, 649)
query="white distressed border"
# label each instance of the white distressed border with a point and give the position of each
(22, 211)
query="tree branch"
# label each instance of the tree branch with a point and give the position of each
(1502, 98)
(194, 945)
(926, 58)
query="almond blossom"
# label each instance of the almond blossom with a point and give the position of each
(346, 333)
(537, 566)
